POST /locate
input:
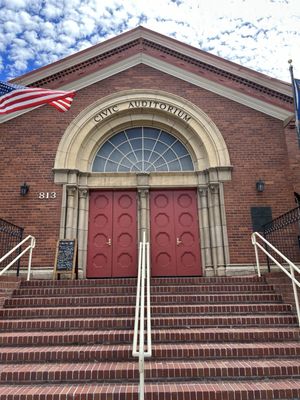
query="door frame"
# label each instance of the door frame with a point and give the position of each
(214, 247)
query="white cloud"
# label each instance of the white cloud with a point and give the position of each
(51, 11)
(260, 34)
(14, 4)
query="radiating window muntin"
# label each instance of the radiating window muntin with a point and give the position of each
(142, 149)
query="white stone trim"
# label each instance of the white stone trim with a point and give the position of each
(190, 51)
(84, 135)
(231, 94)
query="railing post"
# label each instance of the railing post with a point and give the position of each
(20, 239)
(149, 340)
(142, 324)
(266, 247)
(139, 323)
(32, 245)
(256, 254)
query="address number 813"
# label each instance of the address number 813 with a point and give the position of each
(47, 195)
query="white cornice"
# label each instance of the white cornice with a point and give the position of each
(78, 58)
(189, 51)
(218, 62)
(259, 105)
(221, 90)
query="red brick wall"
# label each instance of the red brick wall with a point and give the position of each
(256, 144)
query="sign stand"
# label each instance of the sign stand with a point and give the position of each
(65, 258)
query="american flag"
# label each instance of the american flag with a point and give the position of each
(15, 97)
(297, 98)
(296, 92)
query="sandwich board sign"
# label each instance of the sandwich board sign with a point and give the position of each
(65, 258)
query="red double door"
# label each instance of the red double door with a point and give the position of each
(112, 238)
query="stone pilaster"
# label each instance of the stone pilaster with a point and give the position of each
(205, 232)
(82, 231)
(143, 217)
(71, 223)
(217, 229)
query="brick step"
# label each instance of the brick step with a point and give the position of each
(157, 281)
(163, 322)
(155, 371)
(117, 290)
(155, 299)
(279, 389)
(108, 311)
(187, 335)
(5, 292)
(92, 353)
(7, 285)
(9, 281)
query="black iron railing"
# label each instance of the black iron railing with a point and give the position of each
(10, 236)
(284, 233)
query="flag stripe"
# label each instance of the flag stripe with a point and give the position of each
(20, 94)
(31, 102)
(59, 106)
(14, 98)
(31, 96)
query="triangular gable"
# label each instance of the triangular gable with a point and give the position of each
(243, 85)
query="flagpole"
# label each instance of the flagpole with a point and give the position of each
(295, 103)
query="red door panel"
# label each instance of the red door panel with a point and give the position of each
(163, 256)
(174, 233)
(187, 233)
(112, 237)
(125, 234)
(100, 235)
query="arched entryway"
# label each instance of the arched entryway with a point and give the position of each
(177, 148)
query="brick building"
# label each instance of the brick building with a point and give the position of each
(161, 137)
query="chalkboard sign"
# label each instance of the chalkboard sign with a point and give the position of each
(65, 259)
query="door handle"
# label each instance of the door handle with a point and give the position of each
(109, 242)
(178, 241)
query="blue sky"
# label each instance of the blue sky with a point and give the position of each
(259, 34)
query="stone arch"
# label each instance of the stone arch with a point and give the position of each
(132, 108)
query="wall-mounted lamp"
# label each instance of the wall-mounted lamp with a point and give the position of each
(260, 185)
(24, 189)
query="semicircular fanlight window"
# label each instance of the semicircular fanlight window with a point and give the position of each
(142, 150)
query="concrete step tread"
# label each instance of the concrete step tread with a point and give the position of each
(70, 312)
(177, 321)
(220, 363)
(228, 298)
(165, 317)
(157, 330)
(104, 352)
(154, 370)
(278, 389)
(132, 281)
(30, 292)
(104, 347)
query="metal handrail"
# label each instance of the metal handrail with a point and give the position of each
(292, 266)
(139, 321)
(28, 248)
